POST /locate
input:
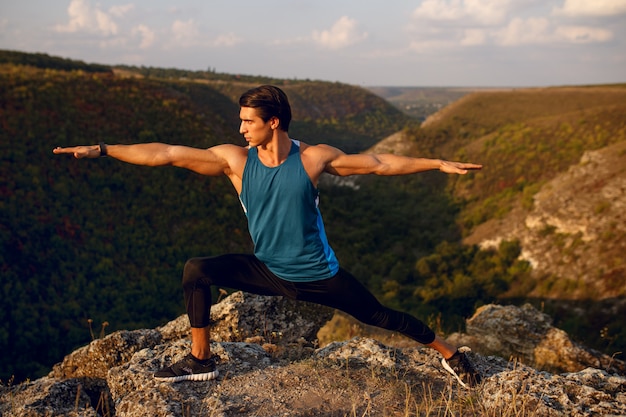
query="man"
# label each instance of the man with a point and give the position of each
(276, 179)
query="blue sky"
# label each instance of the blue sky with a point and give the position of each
(363, 42)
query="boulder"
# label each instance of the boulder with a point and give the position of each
(526, 334)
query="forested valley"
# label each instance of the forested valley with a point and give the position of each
(94, 246)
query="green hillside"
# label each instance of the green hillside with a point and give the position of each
(524, 138)
(105, 241)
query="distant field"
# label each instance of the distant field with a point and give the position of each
(420, 102)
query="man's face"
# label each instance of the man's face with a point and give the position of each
(254, 130)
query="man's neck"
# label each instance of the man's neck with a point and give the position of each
(275, 151)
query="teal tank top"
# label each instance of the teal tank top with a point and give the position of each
(284, 220)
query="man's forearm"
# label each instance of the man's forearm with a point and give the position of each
(402, 165)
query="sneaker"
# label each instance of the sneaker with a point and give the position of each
(189, 369)
(460, 367)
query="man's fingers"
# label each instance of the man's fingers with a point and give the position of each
(459, 167)
(59, 150)
(77, 151)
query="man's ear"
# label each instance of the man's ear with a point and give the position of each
(274, 122)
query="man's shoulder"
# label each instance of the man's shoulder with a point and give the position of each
(319, 148)
(230, 150)
(234, 155)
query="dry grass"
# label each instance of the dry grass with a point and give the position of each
(380, 392)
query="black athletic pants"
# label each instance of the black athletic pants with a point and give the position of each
(247, 273)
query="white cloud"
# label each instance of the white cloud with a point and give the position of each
(539, 31)
(343, 33)
(525, 31)
(85, 18)
(185, 34)
(581, 8)
(481, 11)
(448, 24)
(488, 11)
(146, 34)
(440, 10)
(120, 11)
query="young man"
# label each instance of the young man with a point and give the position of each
(276, 179)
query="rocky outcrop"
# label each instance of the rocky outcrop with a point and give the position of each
(525, 334)
(575, 234)
(357, 377)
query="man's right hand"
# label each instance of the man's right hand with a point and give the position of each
(91, 151)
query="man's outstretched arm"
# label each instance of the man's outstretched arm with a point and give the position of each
(339, 163)
(212, 161)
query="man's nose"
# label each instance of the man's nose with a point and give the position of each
(241, 128)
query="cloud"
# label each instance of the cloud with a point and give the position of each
(520, 31)
(343, 33)
(483, 11)
(540, 31)
(146, 34)
(597, 8)
(448, 24)
(185, 34)
(120, 11)
(440, 10)
(83, 17)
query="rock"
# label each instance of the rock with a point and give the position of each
(526, 334)
(276, 320)
(53, 397)
(238, 317)
(136, 393)
(356, 377)
(362, 352)
(97, 358)
(590, 392)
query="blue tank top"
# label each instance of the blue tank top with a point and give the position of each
(284, 220)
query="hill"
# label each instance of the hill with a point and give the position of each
(103, 242)
(97, 246)
(528, 140)
(553, 181)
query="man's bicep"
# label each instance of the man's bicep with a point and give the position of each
(211, 161)
(355, 164)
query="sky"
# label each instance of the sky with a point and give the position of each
(425, 43)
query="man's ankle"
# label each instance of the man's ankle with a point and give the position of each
(201, 358)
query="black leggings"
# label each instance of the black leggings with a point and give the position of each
(247, 273)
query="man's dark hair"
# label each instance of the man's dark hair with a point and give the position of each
(269, 101)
